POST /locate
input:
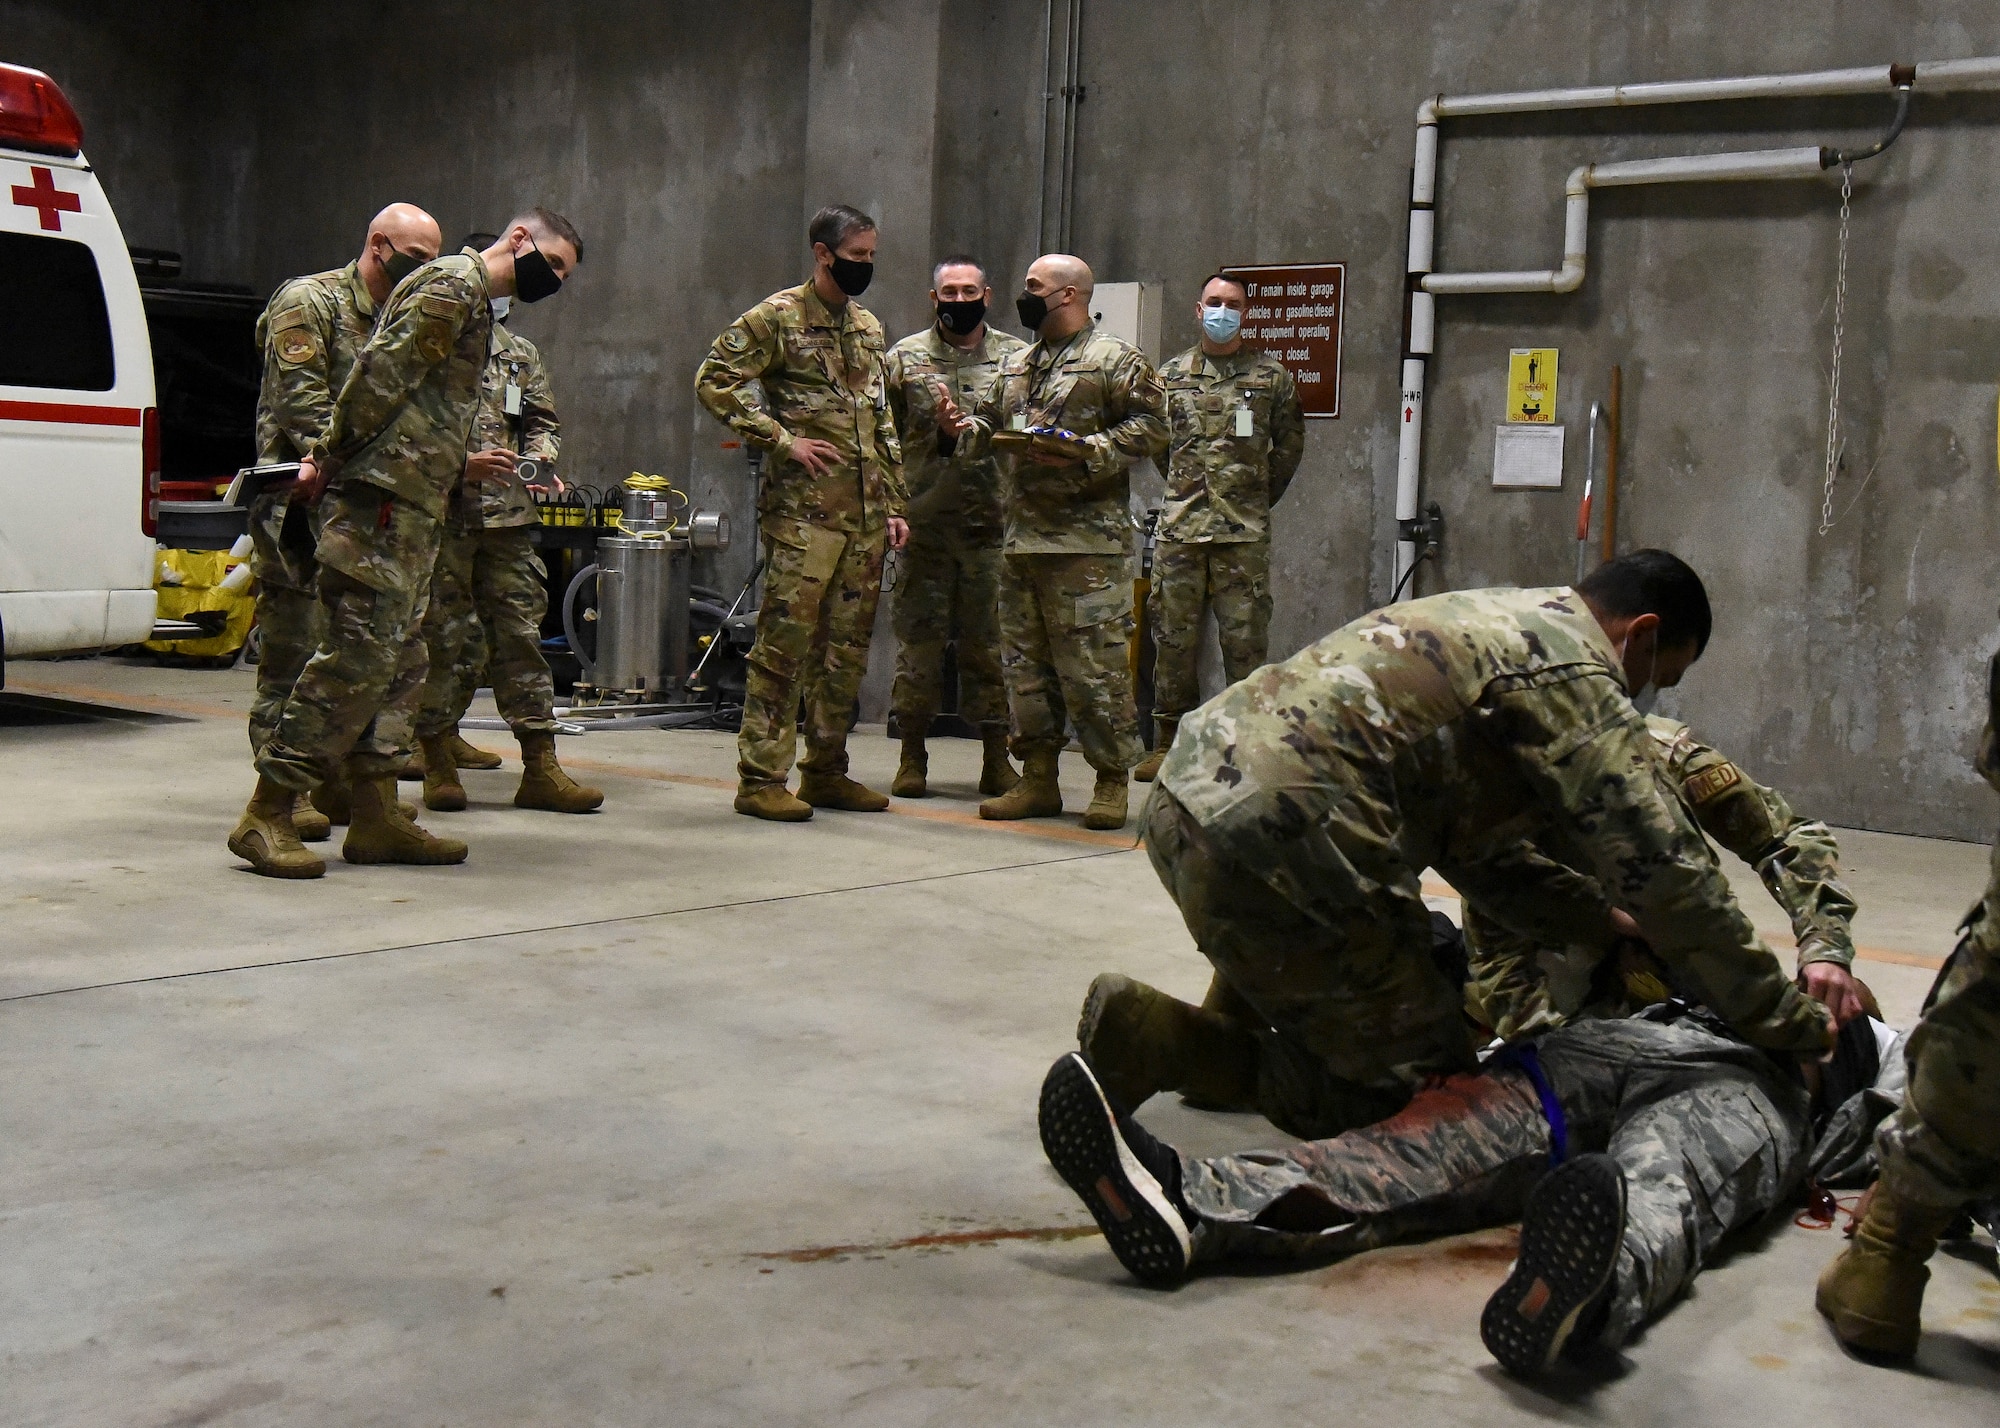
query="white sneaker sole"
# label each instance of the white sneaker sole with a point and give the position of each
(1080, 1136)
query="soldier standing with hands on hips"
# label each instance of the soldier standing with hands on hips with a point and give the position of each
(1077, 408)
(391, 453)
(1238, 436)
(832, 505)
(950, 586)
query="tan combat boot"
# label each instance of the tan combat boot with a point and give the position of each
(1109, 801)
(1141, 1041)
(442, 790)
(913, 772)
(544, 784)
(266, 839)
(470, 756)
(996, 775)
(380, 833)
(1874, 1293)
(1164, 726)
(412, 770)
(1037, 795)
(773, 801)
(335, 799)
(308, 822)
(837, 790)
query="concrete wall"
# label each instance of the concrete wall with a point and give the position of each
(689, 140)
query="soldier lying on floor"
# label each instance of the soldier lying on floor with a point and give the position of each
(1627, 1148)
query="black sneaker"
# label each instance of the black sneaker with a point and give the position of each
(1569, 1247)
(1118, 1169)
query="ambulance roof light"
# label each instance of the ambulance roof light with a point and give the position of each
(36, 115)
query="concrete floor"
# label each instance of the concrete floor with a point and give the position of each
(664, 1116)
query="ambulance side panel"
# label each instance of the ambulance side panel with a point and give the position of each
(76, 377)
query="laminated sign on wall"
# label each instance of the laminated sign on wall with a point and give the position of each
(1531, 385)
(1294, 314)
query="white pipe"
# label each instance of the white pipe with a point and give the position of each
(1936, 75)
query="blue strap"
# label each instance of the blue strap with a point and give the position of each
(1521, 1056)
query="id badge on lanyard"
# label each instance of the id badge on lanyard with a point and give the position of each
(510, 399)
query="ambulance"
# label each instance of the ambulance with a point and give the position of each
(79, 430)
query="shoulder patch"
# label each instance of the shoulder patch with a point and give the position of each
(1711, 782)
(296, 344)
(437, 305)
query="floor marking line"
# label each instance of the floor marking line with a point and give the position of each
(815, 1254)
(553, 927)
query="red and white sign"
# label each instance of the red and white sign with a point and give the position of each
(1294, 314)
(46, 199)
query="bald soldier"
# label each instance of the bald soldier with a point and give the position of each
(386, 463)
(1297, 810)
(1069, 414)
(309, 333)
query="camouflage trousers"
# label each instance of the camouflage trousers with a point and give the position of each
(948, 593)
(821, 588)
(356, 699)
(1066, 639)
(1711, 1134)
(281, 557)
(488, 596)
(1233, 578)
(1942, 1149)
(1356, 1015)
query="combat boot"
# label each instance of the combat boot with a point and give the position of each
(544, 784)
(773, 801)
(470, 756)
(308, 822)
(912, 773)
(412, 770)
(266, 839)
(442, 790)
(1036, 795)
(838, 791)
(1109, 801)
(335, 799)
(996, 775)
(380, 833)
(1164, 726)
(1874, 1292)
(1141, 1041)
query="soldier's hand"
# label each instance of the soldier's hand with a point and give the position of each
(950, 420)
(818, 457)
(899, 532)
(311, 481)
(493, 465)
(1833, 987)
(1624, 925)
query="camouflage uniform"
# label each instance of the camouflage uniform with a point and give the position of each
(1516, 987)
(394, 449)
(309, 334)
(825, 376)
(489, 591)
(1066, 583)
(1710, 1133)
(1297, 810)
(1942, 1149)
(1215, 528)
(948, 588)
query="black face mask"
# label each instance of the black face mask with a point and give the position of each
(851, 277)
(399, 265)
(961, 317)
(1033, 309)
(534, 279)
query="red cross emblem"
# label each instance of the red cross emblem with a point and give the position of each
(46, 199)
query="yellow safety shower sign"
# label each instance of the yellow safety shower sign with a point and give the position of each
(1531, 385)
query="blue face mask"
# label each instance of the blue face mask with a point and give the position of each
(1221, 324)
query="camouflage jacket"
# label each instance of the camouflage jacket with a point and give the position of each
(1221, 481)
(944, 483)
(825, 375)
(1468, 730)
(404, 416)
(1104, 390)
(310, 333)
(513, 365)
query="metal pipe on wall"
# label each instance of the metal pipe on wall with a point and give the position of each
(1423, 283)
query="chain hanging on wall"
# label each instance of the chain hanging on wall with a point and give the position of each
(1834, 445)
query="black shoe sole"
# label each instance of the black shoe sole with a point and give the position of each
(1570, 1235)
(1080, 1136)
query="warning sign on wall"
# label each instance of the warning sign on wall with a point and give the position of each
(1531, 385)
(1295, 314)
